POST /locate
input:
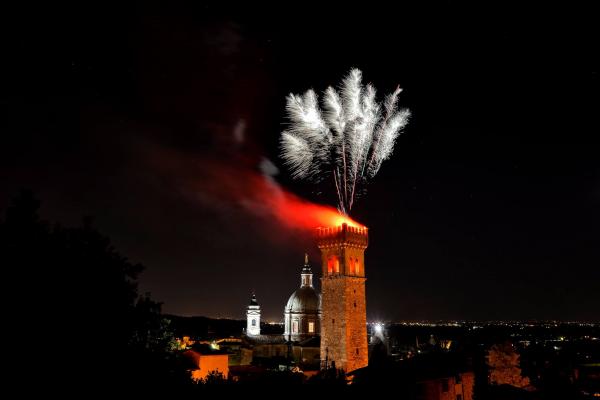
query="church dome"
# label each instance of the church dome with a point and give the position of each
(303, 309)
(304, 300)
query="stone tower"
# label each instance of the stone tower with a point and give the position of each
(253, 317)
(343, 303)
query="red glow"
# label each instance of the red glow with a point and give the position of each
(222, 184)
(295, 211)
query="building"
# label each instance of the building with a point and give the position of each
(253, 317)
(205, 361)
(334, 322)
(302, 312)
(343, 304)
(456, 387)
(433, 376)
(300, 342)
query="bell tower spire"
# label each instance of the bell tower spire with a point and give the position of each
(253, 317)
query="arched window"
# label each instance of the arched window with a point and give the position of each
(333, 265)
(351, 266)
(295, 326)
(356, 266)
(253, 322)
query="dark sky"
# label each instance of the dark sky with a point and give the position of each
(151, 117)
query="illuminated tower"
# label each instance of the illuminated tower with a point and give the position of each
(253, 317)
(343, 303)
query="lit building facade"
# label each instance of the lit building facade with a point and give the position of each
(204, 364)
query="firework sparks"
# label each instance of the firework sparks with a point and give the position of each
(346, 141)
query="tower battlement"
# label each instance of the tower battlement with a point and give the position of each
(342, 235)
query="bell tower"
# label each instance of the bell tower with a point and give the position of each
(343, 304)
(253, 317)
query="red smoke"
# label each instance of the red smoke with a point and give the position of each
(223, 185)
(293, 211)
(264, 196)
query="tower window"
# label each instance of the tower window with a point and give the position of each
(351, 266)
(295, 327)
(356, 351)
(333, 265)
(354, 304)
(311, 327)
(356, 266)
(253, 322)
(333, 321)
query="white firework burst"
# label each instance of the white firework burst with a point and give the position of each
(348, 140)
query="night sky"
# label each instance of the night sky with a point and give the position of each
(152, 117)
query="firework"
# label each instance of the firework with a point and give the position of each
(346, 140)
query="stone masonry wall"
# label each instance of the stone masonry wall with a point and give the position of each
(344, 324)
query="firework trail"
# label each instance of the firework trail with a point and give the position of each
(347, 140)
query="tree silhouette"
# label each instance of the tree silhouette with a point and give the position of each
(74, 300)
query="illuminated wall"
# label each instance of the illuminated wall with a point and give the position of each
(207, 363)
